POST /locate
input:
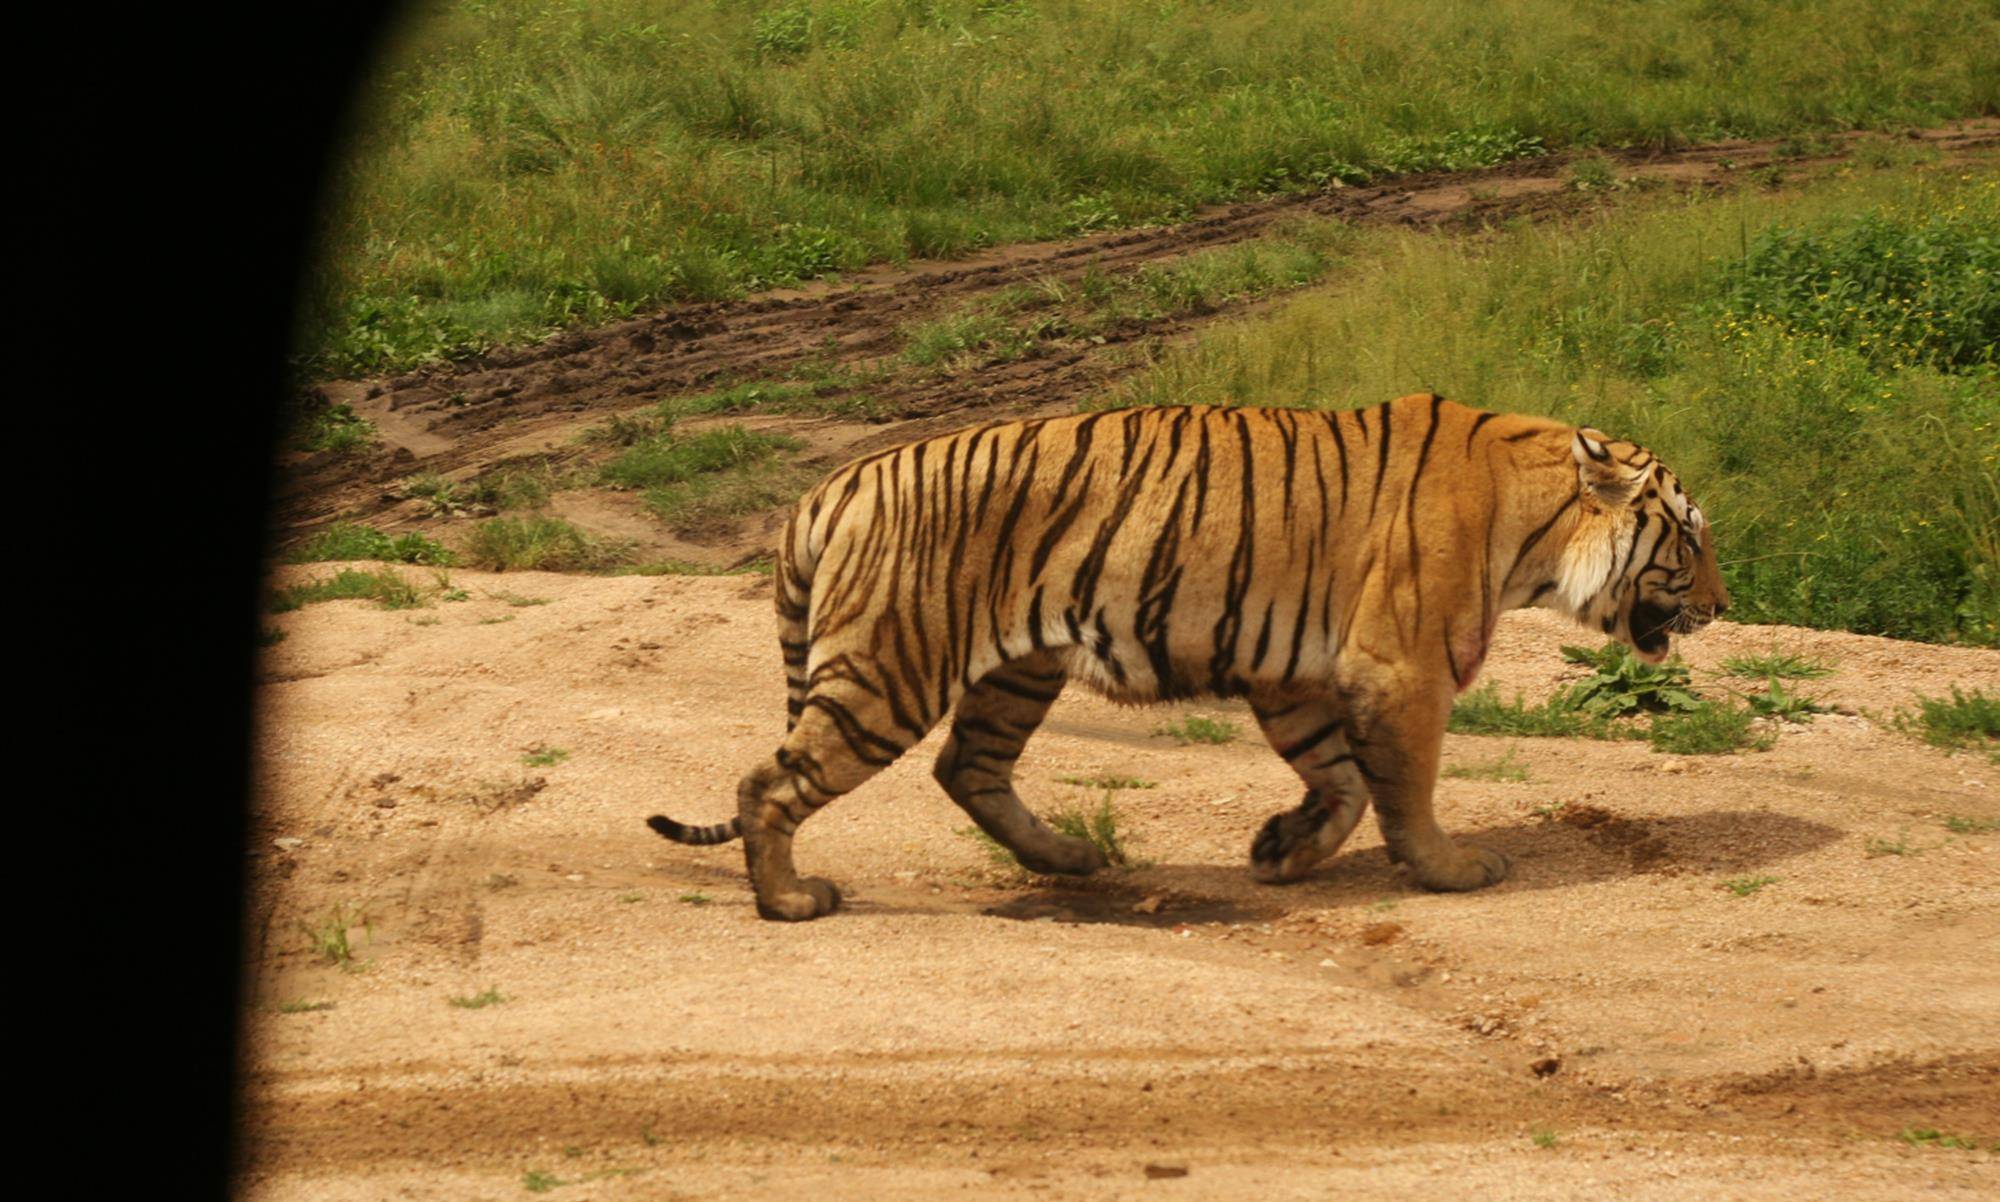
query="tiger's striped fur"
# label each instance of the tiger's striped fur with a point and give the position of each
(1340, 571)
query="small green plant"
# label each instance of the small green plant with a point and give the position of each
(479, 1001)
(1959, 824)
(537, 1182)
(630, 898)
(1100, 826)
(1550, 810)
(1711, 729)
(544, 544)
(337, 430)
(1776, 702)
(1621, 683)
(1195, 728)
(1744, 886)
(518, 601)
(1481, 712)
(350, 541)
(1506, 768)
(1108, 782)
(386, 588)
(1967, 722)
(543, 756)
(331, 936)
(694, 899)
(1544, 1137)
(303, 1007)
(1931, 1137)
(1900, 846)
(271, 636)
(1592, 173)
(1778, 665)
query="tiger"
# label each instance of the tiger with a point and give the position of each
(1341, 571)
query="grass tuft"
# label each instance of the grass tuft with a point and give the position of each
(388, 589)
(1506, 768)
(1099, 824)
(1711, 729)
(479, 1001)
(538, 544)
(346, 541)
(1744, 886)
(1965, 722)
(1196, 728)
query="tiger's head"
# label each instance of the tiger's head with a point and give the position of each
(1641, 565)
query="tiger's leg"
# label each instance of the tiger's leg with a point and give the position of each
(851, 725)
(1398, 743)
(1310, 734)
(994, 721)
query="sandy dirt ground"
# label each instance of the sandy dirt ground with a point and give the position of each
(1611, 1021)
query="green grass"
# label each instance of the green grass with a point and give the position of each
(524, 165)
(1108, 781)
(1506, 768)
(1713, 728)
(545, 757)
(695, 481)
(337, 430)
(1100, 824)
(1931, 1137)
(1776, 666)
(330, 936)
(1899, 846)
(1965, 722)
(479, 1001)
(1850, 463)
(303, 1007)
(1744, 886)
(1196, 728)
(1544, 1137)
(693, 899)
(271, 636)
(347, 541)
(1481, 712)
(538, 544)
(1959, 824)
(386, 588)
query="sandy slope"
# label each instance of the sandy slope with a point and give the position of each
(955, 1029)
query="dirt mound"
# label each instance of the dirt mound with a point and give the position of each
(544, 995)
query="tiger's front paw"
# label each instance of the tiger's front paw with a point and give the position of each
(1065, 855)
(1471, 867)
(814, 896)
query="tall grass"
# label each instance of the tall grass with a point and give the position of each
(1837, 415)
(526, 165)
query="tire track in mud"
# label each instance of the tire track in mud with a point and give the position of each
(457, 419)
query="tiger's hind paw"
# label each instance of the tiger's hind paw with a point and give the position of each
(1474, 867)
(814, 896)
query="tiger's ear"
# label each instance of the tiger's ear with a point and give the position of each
(1604, 479)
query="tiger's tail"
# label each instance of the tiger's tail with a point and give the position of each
(796, 560)
(696, 836)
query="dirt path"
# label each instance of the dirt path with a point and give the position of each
(961, 1028)
(529, 401)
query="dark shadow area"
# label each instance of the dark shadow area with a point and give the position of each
(1578, 845)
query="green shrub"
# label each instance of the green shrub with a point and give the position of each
(537, 544)
(350, 541)
(1621, 683)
